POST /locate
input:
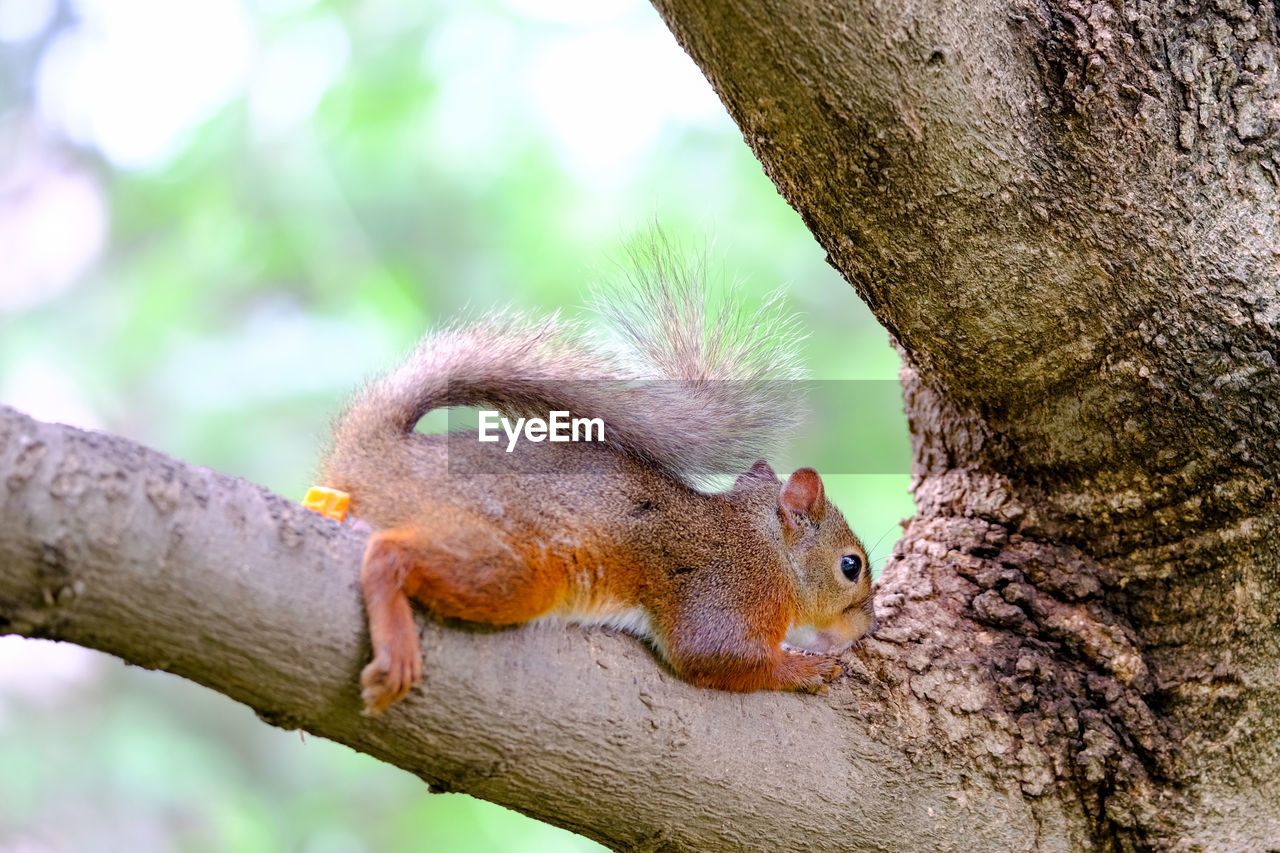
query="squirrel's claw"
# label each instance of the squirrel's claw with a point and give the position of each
(388, 679)
(815, 671)
(828, 669)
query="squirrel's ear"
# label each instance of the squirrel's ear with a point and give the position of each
(802, 497)
(757, 473)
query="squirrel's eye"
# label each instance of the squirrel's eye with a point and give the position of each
(851, 565)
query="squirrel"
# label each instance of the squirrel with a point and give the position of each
(756, 587)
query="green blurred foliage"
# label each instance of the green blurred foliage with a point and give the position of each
(258, 273)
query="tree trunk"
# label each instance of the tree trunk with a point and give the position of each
(1065, 214)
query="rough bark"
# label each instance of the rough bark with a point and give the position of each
(1065, 214)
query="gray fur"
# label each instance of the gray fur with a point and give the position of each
(694, 389)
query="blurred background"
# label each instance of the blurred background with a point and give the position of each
(216, 218)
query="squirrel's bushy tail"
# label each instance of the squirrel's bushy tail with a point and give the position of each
(696, 390)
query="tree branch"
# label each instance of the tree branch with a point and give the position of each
(116, 547)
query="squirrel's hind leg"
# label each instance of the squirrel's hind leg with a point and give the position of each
(461, 569)
(397, 661)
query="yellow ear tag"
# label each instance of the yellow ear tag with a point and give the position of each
(330, 502)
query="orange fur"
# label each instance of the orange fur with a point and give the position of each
(716, 591)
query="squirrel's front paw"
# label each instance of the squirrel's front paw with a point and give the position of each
(815, 671)
(387, 679)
